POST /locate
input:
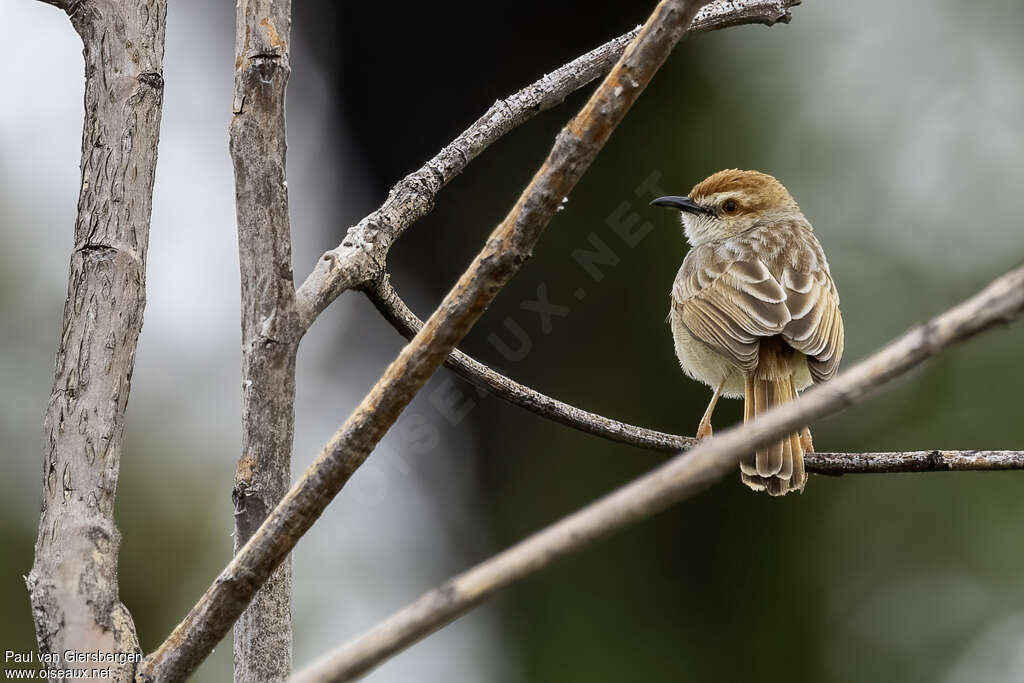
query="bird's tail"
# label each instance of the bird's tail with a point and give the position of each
(779, 467)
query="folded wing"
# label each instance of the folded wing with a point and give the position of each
(730, 298)
(730, 305)
(816, 326)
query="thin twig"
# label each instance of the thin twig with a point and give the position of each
(270, 324)
(680, 478)
(505, 251)
(395, 311)
(73, 584)
(361, 256)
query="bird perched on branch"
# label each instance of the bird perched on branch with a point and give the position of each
(754, 310)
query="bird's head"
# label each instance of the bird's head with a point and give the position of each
(729, 202)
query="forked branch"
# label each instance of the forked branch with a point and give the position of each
(361, 256)
(505, 251)
(680, 478)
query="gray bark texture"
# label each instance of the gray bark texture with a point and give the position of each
(270, 331)
(73, 583)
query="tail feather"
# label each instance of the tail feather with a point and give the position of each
(778, 467)
(769, 458)
(787, 459)
(789, 452)
(776, 486)
(799, 477)
(748, 464)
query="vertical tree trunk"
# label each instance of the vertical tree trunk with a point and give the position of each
(73, 582)
(270, 325)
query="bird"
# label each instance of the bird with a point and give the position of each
(754, 310)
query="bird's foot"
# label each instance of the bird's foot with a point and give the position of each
(805, 440)
(704, 429)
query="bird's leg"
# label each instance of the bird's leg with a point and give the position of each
(704, 429)
(805, 440)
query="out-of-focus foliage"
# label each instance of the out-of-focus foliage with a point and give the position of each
(897, 128)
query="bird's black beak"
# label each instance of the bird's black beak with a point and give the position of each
(682, 203)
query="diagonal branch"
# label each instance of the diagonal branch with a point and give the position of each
(270, 325)
(396, 312)
(505, 251)
(73, 584)
(360, 257)
(680, 478)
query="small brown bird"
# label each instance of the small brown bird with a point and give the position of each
(754, 310)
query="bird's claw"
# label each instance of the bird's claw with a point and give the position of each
(805, 440)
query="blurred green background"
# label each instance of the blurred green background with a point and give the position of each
(897, 127)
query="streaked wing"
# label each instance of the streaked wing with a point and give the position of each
(816, 327)
(728, 300)
(772, 280)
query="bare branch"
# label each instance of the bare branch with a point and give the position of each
(838, 464)
(73, 582)
(360, 257)
(270, 324)
(395, 311)
(507, 248)
(680, 478)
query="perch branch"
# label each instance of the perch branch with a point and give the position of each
(73, 583)
(360, 257)
(270, 324)
(505, 251)
(395, 311)
(838, 464)
(679, 478)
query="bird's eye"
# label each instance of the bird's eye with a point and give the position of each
(729, 206)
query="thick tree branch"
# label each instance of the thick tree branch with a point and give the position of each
(395, 311)
(270, 324)
(505, 251)
(680, 478)
(360, 257)
(66, 5)
(73, 582)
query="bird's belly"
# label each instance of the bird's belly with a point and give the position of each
(703, 364)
